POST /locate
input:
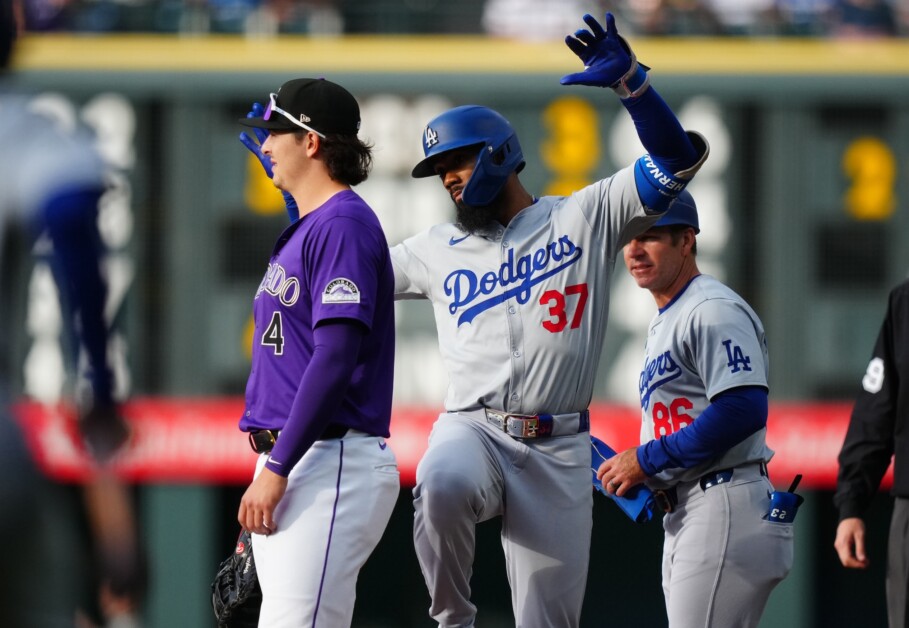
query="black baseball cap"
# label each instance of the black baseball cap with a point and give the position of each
(311, 104)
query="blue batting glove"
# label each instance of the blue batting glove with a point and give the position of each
(608, 59)
(255, 147)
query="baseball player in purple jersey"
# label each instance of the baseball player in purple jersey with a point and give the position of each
(519, 288)
(318, 399)
(705, 370)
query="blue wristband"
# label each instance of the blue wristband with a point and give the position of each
(656, 187)
(634, 85)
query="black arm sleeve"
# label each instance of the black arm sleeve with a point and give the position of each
(879, 410)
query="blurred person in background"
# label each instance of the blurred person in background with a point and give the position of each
(863, 19)
(260, 18)
(805, 18)
(534, 19)
(744, 17)
(44, 15)
(901, 15)
(670, 17)
(50, 183)
(307, 17)
(878, 432)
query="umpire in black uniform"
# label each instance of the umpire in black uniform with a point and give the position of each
(879, 430)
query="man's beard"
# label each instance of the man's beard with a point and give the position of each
(473, 219)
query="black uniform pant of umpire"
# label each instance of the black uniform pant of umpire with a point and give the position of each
(898, 565)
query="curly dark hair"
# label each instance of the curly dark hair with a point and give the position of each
(347, 157)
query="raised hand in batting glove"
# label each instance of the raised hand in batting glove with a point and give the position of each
(608, 60)
(255, 147)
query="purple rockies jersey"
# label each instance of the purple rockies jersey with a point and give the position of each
(331, 264)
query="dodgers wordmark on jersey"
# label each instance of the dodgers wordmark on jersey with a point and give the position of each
(707, 339)
(521, 310)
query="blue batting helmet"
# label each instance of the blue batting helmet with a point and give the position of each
(498, 156)
(683, 211)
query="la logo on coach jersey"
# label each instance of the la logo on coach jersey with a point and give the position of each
(341, 290)
(738, 361)
(430, 138)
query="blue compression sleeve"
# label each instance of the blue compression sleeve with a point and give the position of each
(731, 417)
(71, 219)
(290, 204)
(321, 391)
(661, 132)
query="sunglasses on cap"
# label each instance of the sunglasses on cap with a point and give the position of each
(273, 107)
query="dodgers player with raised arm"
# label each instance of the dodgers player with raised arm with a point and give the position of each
(704, 404)
(318, 399)
(519, 286)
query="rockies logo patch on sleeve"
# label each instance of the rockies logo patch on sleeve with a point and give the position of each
(341, 290)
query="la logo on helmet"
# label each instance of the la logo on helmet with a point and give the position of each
(431, 137)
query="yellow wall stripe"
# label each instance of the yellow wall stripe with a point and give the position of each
(448, 54)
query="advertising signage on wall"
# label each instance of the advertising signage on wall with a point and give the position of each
(196, 440)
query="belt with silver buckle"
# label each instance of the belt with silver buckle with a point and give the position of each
(535, 425)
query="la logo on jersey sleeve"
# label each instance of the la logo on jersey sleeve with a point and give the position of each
(736, 358)
(341, 290)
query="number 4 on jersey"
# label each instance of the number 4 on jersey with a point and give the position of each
(274, 334)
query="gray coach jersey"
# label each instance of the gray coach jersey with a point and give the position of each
(521, 310)
(706, 340)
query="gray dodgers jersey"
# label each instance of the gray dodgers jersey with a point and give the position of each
(521, 310)
(705, 341)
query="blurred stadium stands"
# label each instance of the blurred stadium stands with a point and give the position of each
(531, 19)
